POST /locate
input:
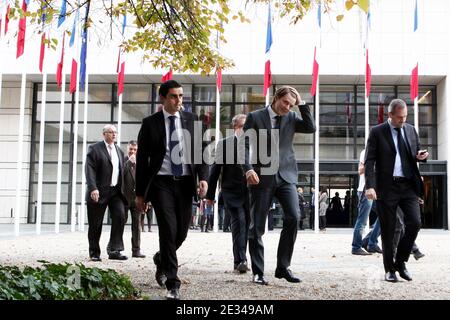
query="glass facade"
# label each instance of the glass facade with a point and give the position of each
(341, 125)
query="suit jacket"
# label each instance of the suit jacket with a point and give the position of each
(233, 178)
(152, 149)
(129, 183)
(380, 158)
(99, 170)
(289, 125)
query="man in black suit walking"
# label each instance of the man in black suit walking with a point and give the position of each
(234, 190)
(129, 179)
(273, 172)
(104, 178)
(169, 162)
(393, 179)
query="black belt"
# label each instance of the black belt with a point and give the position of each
(400, 179)
(171, 177)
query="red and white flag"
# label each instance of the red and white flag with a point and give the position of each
(8, 9)
(414, 80)
(315, 74)
(267, 70)
(21, 32)
(120, 73)
(368, 74)
(168, 76)
(42, 53)
(60, 65)
(219, 79)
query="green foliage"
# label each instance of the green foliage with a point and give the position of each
(64, 282)
(184, 35)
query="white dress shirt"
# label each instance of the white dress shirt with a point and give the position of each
(115, 163)
(166, 168)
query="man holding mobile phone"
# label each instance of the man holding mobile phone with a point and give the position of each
(393, 179)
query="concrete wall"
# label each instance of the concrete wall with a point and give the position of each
(9, 132)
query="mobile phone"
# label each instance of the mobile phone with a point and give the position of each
(423, 152)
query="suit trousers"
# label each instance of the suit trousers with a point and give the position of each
(260, 201)
(236, 205)
(400, 194)
(172, 201)
(95, 213)
(135, 228)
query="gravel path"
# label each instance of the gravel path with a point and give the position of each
(323, 261)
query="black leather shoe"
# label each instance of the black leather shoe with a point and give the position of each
(402, 271)
(417, 254)
(117, 256)
(375, 249)
(259, 279)
(96, 259)
(360, 252)
(390, 276)
(242, 267)
(138, 255)
(286, 274)
(173, 294)
(159, 274)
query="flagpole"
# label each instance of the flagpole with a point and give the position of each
(60, 151)
(21, 128)
(216, 204)
(20, 150)
(41, 152)
(83, 175)
(416, 99)
(316, 159)
(75, 141)
(317, 122)
(61, 20)
(119, 121)
(2, 36)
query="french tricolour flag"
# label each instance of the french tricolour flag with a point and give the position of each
(267, 71)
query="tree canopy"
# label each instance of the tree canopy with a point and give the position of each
(181, 34)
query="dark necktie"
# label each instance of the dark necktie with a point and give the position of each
(177, 167)
(406, 166)
(277, 122)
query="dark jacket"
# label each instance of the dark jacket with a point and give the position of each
(289, 125)
(380, 158)
(233, 181)
(129, 182)
(99, 170)
(152, 149)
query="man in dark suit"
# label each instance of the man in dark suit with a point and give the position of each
(130, 194)
(393, 179)
(104, 178)
(234, 190)
(169, 162)
(274, 172)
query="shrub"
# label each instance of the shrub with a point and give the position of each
(64, 282)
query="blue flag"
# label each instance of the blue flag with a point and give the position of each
(83, 53)
(74, 29)
(416, 19)
(124, 23)
(269, 32)
(319, 15)
(62, 13)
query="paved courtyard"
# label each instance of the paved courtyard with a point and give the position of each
(323, 262)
